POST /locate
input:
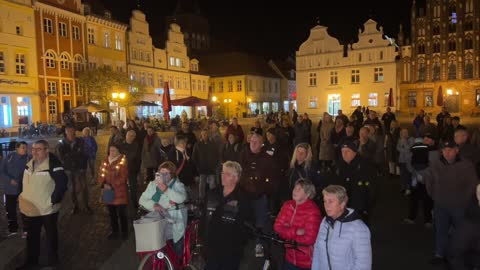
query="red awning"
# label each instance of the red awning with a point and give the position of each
(191, 101)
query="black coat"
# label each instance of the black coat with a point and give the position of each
(358, 178)
(72, 154)
(232, 152)
(226, 233)
(260, 174)
(185, 173)
(133, 153)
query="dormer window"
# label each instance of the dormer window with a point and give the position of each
(108, 14)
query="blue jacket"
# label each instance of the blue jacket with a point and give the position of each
(343, 244)
(12, 168)
(90, 147)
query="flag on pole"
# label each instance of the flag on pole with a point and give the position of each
(166, 102)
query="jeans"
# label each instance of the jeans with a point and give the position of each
(118, 214)
(260, 209)
(178, 247)
(35, 224)
(79, 191)
(11, 206)
(289, 266)
(91, 168)
(444, 218)
(419, 193)
(202, 184)
(405, 176)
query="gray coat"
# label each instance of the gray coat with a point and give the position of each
(151, 157)
(327, 151)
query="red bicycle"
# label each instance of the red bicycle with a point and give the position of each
(166, 258)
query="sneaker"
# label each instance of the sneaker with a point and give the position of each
(428, 225)
(408, 221)
(259, 253)
(436, 260)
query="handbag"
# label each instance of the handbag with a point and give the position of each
(108, 195)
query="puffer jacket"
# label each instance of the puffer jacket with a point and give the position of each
(115, 174)
(13, 168)
(343, 244)
(292, 217)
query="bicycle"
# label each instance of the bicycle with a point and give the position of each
(166, 259)
(275, 239)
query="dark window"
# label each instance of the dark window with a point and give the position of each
(436, 29)
(468, 44)
(436, 47)
(421, 72)
(452, 27)
(436, 72)
(452, 46)
(468, 25)
(452, 71)
(468, 70)
(421, 49)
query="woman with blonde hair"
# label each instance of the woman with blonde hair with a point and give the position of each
(302, 165)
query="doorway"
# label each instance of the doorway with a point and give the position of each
(334, 104)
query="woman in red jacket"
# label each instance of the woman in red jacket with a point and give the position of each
(299, 220)
(113, 175)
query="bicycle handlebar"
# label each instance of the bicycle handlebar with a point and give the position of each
(292, 244)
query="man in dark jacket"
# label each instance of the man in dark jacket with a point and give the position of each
(450, 182)
(357, 176)
(206, 158)
(228, 208)
(235, 129)
(465, 247)
(71, 152)
(387, 118)
(131, 149)
(259, 179)
(191, 138)
(467, 150)
(185, 168)
(44, 184)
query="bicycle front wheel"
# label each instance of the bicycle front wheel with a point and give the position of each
(155, 261)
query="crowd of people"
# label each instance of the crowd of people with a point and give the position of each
(321, 192)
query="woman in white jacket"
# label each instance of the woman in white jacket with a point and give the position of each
(343, 241)
(165, 195)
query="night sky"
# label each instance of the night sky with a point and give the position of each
(273, 28)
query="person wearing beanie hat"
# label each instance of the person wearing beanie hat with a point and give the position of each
(357, 175)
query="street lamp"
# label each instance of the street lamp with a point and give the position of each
(214, 99)
(227, 103)
(116, 96)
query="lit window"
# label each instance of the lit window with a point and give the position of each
(106, 39)
(355, 100)
(20, 66)
(172, 61)
(52, 107)
(178, 62)
(412, 99)
(373, 99)
(5, 112)
(118, 42)
(428, 98)
(378, 74)
(312, 102)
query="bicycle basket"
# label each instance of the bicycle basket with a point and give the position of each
(150, 233)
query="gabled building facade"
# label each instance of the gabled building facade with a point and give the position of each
(19, 93)
(153, 66)
(443, 58)
(61, 51)
(330, 78)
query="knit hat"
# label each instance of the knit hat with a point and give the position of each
(351, 145)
